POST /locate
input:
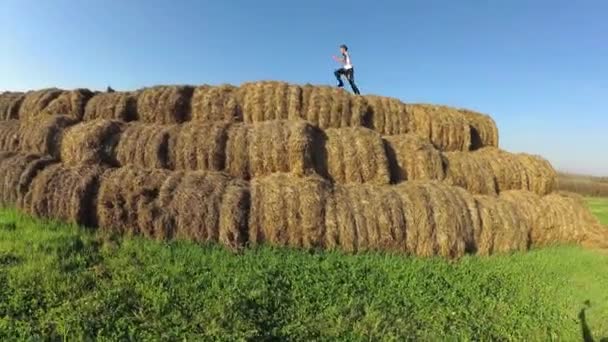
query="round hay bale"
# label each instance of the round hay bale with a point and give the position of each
(288, 210)
(45, 135)
(219, 103)
(16, 173)
(35, 102)
(542, 178)
(355, 155)
(484, 132)
(254, 150)
(65, 193)
(201, 146)
(145, 145)
(91, 142)
(9, 135)
(470, 170)
(126, 197)
(445, 127)
(329, 107)
(412, 157)
(9, 105)
(269, 100)
(71, 103)
(112, 106)
(165, 104)
(204, 207)
(389, 116)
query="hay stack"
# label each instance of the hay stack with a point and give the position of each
(484, 132)
(91, 142)
(44, 136)
(389, 116)
(70, 103)
(65, 193)
(112, 106)
(205, 207)
(355, 155)
(329, 107)
(220, 103)
(9, 105)
(288, 210)
(412, 157)
(9, 135)
(445, 127)
(164, 104)
(264, 101)
(126, 200)
(471, 172)
(200, 146)
(16, 173)
(260, 149)
(146, 145)
(35, 102)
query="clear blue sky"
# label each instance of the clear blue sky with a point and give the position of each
(539, 67)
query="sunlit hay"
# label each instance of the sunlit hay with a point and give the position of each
(388, 116)
(503, 227)
(164, 104)
(200, 146)
(412, 157)
(45, 135)
(91, 142)
(71, 103)
(269, 100)
(210, 103)
(259, 149)
(112, 106)
(65, 193)
(329, 107)
(470, 171)
(204, 207)
(288, 210)
(16, 173)
(145, 145)
(484, 132)
(35, 102)
(126, 198)
(542, 177)
(445, 127)
(356, 155)
(10, 102)
(9, 135)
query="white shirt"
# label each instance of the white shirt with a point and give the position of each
(347, 64)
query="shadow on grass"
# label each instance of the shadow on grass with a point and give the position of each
(586, 331)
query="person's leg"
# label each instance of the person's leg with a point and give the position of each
(338, 73)
(350, 75)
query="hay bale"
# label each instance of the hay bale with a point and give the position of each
(288, 210)
(445, 127)
(204, 207)
(355, 155)
(389, 116)
(470, 171)
(71, 103)
(254, 150)
(91, 142)
(9, 135)
(145, 145)
(112, 106)
(126, 198)
(484, 132)
(200, 146)
(36, 102)
(164, 104)
(45, 135)
(412, 157)
(16, 173)
(9, 105)
(65, 193)
(264, 101)
(329, 107)
(219, 103)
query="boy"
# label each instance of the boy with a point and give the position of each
(347, 69)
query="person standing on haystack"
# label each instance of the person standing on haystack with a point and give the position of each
(347, 69)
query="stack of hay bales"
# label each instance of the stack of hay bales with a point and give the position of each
(281, 164)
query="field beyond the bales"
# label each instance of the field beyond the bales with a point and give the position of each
(63, 282)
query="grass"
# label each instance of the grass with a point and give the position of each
(61, 282)
(599, 207)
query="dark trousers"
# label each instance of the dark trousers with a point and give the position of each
(350, 76)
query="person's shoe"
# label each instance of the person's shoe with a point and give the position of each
(340, 85)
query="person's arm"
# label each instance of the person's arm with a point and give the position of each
(339, 60)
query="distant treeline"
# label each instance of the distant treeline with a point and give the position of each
(584, 185)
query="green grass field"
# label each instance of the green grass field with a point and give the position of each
(599, 207)
(61, 282)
